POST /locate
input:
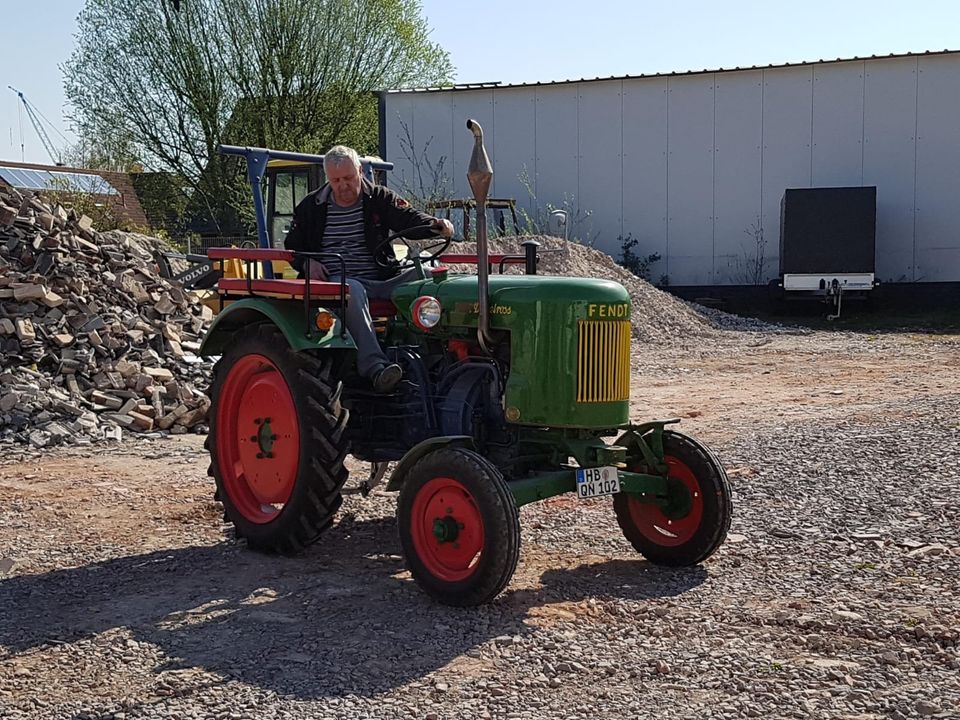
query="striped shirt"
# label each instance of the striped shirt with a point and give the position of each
(344, 234)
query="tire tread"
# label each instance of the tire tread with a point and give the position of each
(501, 526)
(316, 495)
(718, 511)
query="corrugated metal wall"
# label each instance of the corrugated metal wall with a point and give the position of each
(692, 165)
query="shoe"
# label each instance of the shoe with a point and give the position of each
(387, 377)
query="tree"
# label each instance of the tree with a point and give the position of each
(103, 146)
(750, 268)
(291, 74)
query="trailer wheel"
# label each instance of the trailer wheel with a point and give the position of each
(276, 441)
(459, 527)
(695, 522)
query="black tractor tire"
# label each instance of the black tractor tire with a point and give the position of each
(683, 539)
(309, 477)
(459, 489)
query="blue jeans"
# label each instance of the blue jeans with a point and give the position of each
(370, 357)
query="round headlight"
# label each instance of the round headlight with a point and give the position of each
(426, 312)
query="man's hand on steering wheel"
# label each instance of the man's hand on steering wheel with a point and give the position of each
(443, 228)
(444, 232)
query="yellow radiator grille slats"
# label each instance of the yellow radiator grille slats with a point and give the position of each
(603, 361)
(615, 342)
(625, 370)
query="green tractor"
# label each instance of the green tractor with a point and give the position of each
(512, 385)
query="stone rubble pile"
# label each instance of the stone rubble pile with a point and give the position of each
(92, 340)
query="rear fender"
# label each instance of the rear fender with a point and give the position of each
(287, 316)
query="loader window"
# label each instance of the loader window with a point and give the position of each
(300, 187)
(288, 188)
(284, 203)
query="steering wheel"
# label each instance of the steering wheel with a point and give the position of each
(401, 235)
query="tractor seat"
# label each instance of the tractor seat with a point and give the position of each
(295, 289)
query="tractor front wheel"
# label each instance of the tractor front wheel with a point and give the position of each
(693, 523)
(276, 441)
(459, 527)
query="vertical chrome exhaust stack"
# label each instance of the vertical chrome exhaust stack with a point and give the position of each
(479, 175)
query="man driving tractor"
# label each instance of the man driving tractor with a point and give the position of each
(352, 217)
(506, 409)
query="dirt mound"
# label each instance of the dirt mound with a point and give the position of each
(93, 340)
(658, 317)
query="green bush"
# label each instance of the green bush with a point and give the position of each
(637, 264)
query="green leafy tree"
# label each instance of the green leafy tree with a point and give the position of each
(164, 199)
(103, 147)
(291, 74)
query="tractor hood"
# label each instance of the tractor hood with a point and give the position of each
(569, 343)
(517, 301)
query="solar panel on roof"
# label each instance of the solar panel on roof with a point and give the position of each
(29, 179)
(22, 178)
(12, 177)
(33, 179)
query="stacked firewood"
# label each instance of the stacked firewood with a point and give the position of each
(93, 341)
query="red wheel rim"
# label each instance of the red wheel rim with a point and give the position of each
(663, 529)
(447, 529)
(258, 438)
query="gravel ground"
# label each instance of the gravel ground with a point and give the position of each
(835, 595)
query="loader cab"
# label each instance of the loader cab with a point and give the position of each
(287, 182)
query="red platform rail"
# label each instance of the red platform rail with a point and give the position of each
(269, 255)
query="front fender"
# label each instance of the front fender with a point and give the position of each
(421, 449)
(286, 315)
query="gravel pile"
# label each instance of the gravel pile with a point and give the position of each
(93, 340)
(658, 317)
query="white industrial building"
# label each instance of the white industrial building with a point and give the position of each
(692, 163)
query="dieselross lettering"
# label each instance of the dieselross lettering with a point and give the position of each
(475, 308)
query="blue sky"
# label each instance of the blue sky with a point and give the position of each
(513, 41)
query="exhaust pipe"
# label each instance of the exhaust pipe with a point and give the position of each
(479, 175)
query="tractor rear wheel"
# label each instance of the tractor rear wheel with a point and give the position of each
(276, 441)
(695, 521)
(459, 527)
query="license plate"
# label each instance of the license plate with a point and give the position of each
(596, 482)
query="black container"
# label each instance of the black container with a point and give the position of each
(828, 230)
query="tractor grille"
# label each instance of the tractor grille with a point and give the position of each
(603, 361)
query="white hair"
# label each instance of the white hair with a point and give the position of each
(340, 154)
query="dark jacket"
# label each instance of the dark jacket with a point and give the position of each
(383, 212)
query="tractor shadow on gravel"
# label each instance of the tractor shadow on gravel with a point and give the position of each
(344, 618)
